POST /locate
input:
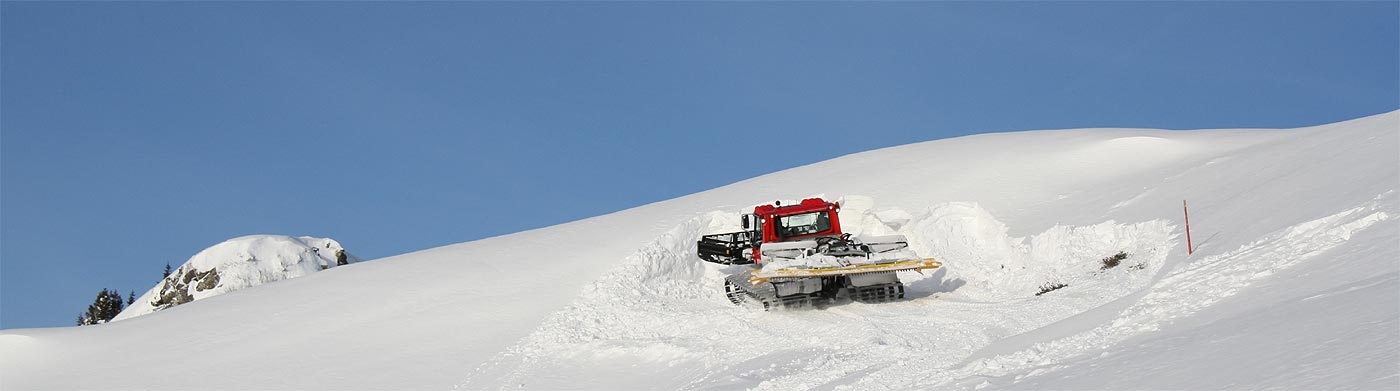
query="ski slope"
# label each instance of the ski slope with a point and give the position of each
(1292, 284)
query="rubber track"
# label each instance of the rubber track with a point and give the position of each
(739, 291)
(877, 293)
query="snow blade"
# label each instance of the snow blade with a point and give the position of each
(759, 277)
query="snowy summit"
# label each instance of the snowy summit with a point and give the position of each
(237, 264)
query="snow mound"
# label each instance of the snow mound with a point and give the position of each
(240, 263)
(978, 250)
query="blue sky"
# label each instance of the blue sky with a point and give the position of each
(136, 134)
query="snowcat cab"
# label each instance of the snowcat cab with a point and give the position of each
(805, 258)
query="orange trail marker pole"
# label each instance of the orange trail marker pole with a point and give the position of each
(1184, 212)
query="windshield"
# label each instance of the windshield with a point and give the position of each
(803, 224)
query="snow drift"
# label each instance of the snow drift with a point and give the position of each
(237, 264)
(1291, 284)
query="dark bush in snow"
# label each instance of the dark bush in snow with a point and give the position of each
(1113, 261)
(107, 305)
(1050, 286)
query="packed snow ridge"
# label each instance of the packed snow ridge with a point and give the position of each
(237, 264)
(1290, 284)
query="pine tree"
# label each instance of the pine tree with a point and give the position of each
(130, 297)
(167, 270)
(107, 305)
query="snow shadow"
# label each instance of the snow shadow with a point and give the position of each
(937, 282)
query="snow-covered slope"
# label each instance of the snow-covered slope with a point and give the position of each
(240, 263)
(1292, 284)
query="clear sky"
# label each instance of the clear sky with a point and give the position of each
(136, 134)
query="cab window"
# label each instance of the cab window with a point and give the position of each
(803, 224)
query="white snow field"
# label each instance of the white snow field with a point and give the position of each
(1294, 284)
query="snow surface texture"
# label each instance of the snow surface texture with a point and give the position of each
(237, 264)
(1292, 284)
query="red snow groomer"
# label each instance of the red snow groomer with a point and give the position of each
(802, 258)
